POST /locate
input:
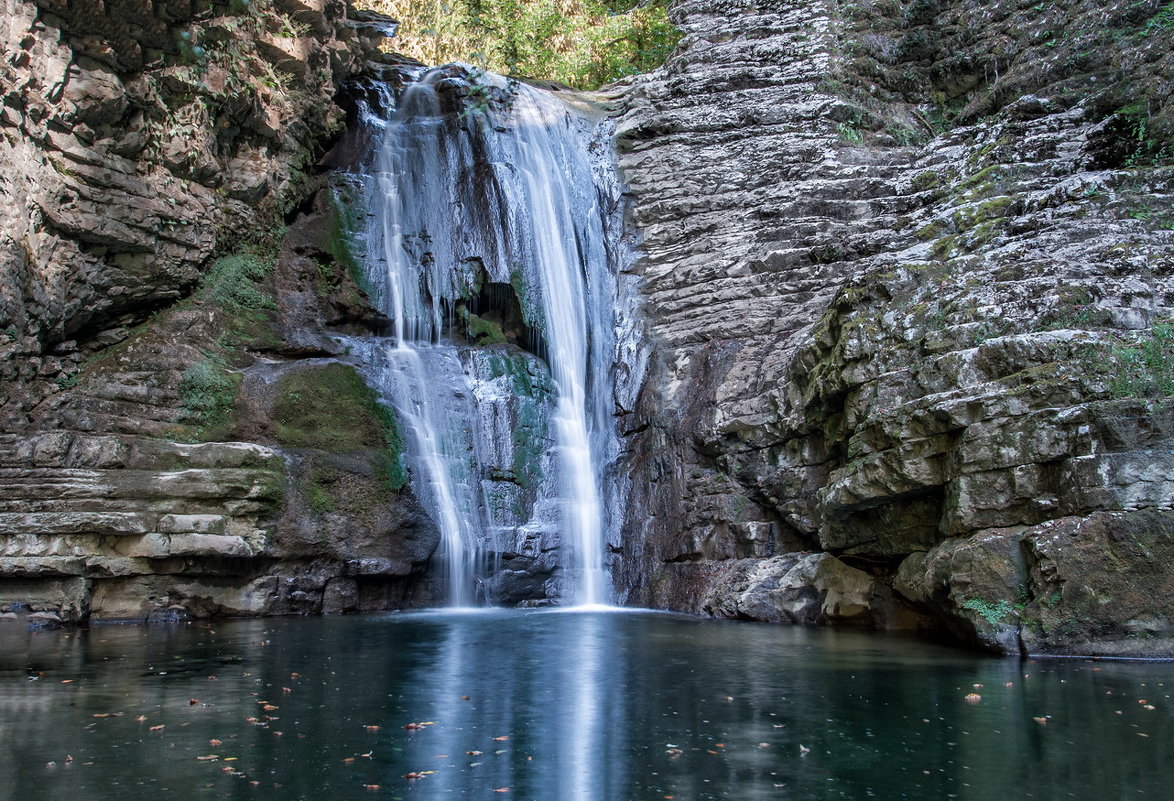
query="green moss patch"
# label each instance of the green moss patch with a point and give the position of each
(331, 409)
(207, 395)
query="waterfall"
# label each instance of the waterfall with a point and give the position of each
(493, 245)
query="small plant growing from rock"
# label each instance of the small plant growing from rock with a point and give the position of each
(992, 613)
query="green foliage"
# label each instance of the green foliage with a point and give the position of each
(849, 133)
(207, 393)
(332, 409)
(232, 283)
(583, 43)
(1161, 21)
(1145, 368)
(992, 613)
(1148, 147)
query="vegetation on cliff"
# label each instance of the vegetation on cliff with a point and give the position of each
(584, 43)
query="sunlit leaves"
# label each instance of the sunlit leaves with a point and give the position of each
(584, 43)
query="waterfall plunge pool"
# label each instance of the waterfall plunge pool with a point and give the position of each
(563, 706)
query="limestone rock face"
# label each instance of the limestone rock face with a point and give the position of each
(181, 438)
(133, 152)
(906, 290)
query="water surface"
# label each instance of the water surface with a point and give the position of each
(563, 706)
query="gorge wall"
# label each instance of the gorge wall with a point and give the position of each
(906, 270)
(907, 267)
(179, 437)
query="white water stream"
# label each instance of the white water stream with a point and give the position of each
(472, 203)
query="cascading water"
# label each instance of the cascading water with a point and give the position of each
(493, 245)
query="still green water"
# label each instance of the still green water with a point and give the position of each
(563, 706)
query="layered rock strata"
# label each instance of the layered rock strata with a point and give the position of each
(907, 271)
(181, 436)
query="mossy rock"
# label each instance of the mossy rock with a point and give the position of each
(331, 409)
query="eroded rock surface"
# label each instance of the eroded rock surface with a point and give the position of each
(181, 437)
(907, 267)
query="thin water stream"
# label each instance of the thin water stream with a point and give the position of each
(566, 705)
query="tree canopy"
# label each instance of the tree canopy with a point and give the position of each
(583, 43)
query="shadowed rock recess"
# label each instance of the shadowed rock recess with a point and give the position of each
(907, 271)
(907, 276)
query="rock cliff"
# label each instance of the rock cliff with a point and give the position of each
(908, 267)
(907, 275)
(179, 436)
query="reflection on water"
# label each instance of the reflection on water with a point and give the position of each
(563, 706)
